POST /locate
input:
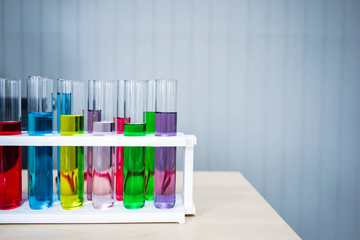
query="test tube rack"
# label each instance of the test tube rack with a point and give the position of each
(184, 204)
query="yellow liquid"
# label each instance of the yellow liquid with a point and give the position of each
(71, 164)
(71, 125)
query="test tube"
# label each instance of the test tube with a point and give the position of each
(63, 108)
(94, 115)
(72, 157)
(120, 121)
(40, 159)
(10, 156)
(165, 157)
(103, 167)
(134, 157)
(150, 130)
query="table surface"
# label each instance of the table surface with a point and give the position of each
(227, 207)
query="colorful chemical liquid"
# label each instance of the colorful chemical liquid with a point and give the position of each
(165, 162)
(149, 158)
(92, 117)
(71, 125)
(103, 169)
(134, 130)
(165, 173)
(120, 160)
(40, 177)
(150, 122)
(40, 163)
(71, 177)
(10, 168)
(165, 123)
(134, 167)
(40, 123)
(71, 164)
(149, 173)
(63, 108)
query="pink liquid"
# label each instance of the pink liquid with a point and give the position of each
(120, 159)
(103, 168)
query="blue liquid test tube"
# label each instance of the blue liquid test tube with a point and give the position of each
(40, 159)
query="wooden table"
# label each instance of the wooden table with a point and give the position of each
(227, 207)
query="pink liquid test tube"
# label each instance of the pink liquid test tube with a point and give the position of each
(120, 121)
(103, 165)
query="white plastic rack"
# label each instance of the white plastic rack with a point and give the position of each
(118, 214)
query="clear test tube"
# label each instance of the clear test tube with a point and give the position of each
(120, 121)
(72, 157)
(149, 115)
(10, 156)
(103, 167)
(165, 157)
(40, 159)
(94, 115)
(134, 157)
(63, 101)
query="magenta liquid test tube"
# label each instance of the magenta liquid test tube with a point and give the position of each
(120, 121)
(165, 157)
(103, 165)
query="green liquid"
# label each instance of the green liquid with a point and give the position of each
(71, 164)
(134, 168)
(149, 173)
(150, 122)
(134, 130)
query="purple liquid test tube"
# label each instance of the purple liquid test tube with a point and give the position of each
(103, 165)
(94, 115)
(165, 157)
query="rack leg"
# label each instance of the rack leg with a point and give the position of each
(188, 181)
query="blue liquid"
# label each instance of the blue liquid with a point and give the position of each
(40, 163)
(40, 123)
(63, 108)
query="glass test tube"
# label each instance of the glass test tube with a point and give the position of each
(165, 157)
(134, 157)
(120, 121)
(63, 108)
(72, 157)
(10, 156)
(40, 159)
(94, 115)
(103, 166)
(149, 116)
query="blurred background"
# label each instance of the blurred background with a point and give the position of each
(271, 88)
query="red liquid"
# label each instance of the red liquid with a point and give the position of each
(120, 160)
(10, 168)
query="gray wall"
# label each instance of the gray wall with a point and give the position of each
(271, 88)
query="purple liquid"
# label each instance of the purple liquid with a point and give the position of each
(165, 162)
(92, 117)
(165, 123)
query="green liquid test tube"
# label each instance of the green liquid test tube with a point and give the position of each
(134, 157)
(134, 169)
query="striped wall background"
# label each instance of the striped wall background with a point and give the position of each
(271, 88)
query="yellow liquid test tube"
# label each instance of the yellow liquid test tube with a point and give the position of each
(71, 164)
